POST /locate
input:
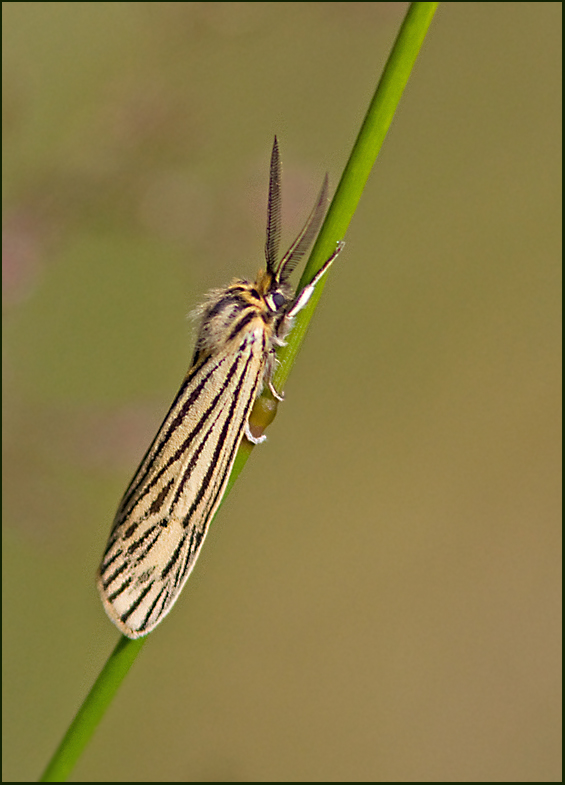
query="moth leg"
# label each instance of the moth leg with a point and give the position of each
(278, 395)
(253, 439)
(308, 290)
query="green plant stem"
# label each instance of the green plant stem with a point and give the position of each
(92, 710)
(363, 156)
(365, 150)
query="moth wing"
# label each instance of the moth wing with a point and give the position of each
(164, 515)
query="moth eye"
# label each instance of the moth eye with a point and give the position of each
(277, 300)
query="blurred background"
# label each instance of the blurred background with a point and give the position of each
(379, 597)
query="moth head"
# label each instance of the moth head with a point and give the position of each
(276, 294)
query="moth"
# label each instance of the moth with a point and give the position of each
(164, 514)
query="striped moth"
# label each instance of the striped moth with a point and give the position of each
(164, 514)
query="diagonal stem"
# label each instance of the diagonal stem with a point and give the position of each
(365, 150)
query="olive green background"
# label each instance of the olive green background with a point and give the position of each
(379, 598)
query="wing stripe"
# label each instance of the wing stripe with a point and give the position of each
(137, 602)
(242, 323)
(169, 566)
(146, 621)
(120, 589)
(115, 574)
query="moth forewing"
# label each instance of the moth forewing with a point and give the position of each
(164, 515)
(163, 518)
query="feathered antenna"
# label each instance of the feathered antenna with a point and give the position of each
(273, 211)
(302, 242)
